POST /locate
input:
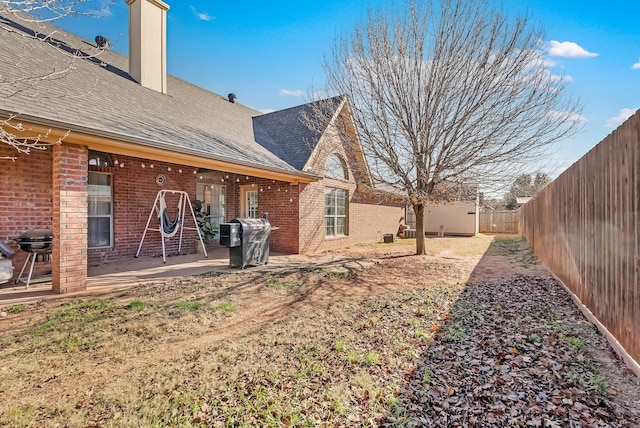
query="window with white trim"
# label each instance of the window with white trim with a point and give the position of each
(251, 201)
(335, 212)
(100, 210)
(213, 198)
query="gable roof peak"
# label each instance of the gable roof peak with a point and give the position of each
(293, 133)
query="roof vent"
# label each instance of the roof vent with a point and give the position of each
(102, 42)
(232, 98)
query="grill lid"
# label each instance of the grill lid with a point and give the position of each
(35, 236)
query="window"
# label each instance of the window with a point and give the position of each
(335, 167)
(213, 197)
(99, 159)
(335, 212)
(100, 210)
(251, 203)
(218, 212)
(248, 201)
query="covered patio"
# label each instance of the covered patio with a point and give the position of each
(107, 278)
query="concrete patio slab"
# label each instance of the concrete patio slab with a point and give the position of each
(109, 277)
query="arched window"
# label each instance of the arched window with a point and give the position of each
(99, 158)
(335, 167)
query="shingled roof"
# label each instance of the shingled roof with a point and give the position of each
(293, 133)
(89, 90)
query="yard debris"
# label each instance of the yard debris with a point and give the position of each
(519, 363)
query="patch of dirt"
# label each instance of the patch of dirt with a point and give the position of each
(348, 343)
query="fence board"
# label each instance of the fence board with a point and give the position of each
(499, 221)
(585, 227)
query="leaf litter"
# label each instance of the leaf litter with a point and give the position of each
(526, 357)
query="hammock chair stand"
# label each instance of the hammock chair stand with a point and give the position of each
(167, 227)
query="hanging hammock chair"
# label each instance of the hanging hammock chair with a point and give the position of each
(168, 227)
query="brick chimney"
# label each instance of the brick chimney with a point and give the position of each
(147, 43)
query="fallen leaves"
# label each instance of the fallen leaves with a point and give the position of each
(514, 365)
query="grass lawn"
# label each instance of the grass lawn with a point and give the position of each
(336, 345)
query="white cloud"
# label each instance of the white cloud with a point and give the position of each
(636, 66)
(540, 64)
(294, 93)
(266, 110)
(104, 8)
(623, 114)
(569, 50)
(202, 16)
(560, 77)
(566, 116)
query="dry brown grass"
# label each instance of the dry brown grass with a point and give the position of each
(455, 246)
(327, 346)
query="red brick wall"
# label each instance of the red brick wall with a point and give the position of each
(135, 190)
(134, 194)
(26, 203)
(297, 211)
(69, 212)
(280, 200)
(25, 199)
(368, 218)
(277, 198)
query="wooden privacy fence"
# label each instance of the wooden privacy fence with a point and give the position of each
(499, 221)
(585, 227)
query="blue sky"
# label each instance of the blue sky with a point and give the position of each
(270, 53)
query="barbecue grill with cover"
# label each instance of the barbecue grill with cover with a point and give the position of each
(248, 241)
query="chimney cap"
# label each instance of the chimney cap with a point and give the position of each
(157, 3)
(232, 98)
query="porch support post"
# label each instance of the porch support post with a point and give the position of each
(69, 256)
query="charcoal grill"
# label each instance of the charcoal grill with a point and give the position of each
(38, 244)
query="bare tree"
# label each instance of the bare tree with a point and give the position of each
(449, 93)
(29, 19)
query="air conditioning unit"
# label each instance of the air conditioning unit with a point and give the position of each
(409, 233)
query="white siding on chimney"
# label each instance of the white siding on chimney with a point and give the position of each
(147, 43)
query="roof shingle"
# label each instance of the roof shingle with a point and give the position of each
(292, 134)
(83, 87)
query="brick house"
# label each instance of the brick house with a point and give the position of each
(121, 129)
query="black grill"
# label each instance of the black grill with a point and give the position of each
(38, 243)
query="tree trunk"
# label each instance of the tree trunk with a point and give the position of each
(419, 210)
